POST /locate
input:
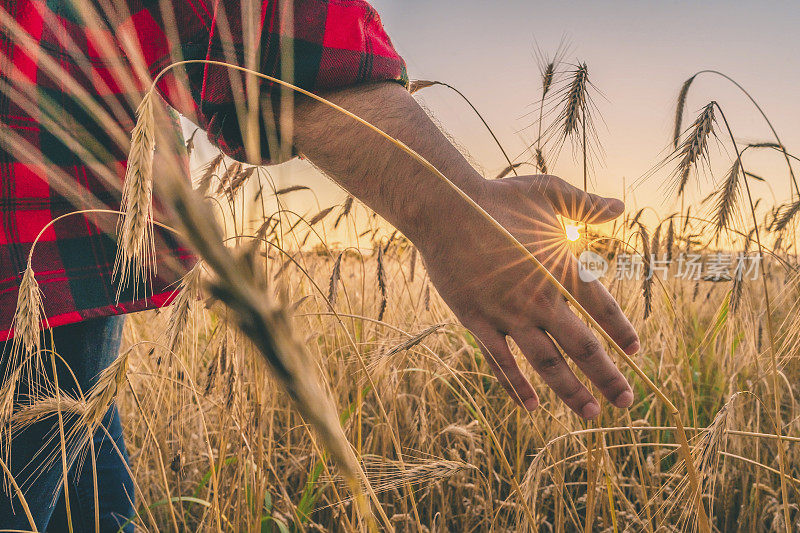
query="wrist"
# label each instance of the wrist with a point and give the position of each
(437, 209)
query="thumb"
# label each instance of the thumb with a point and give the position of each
(575, 204)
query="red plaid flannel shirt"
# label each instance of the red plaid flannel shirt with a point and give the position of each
(50, 53)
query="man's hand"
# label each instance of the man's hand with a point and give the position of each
(496, 291)
(493, 288)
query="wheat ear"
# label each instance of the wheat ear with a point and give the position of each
(575, 100)
(695, 147)
(728, 197)
(382, 288)
(679, 107)
(647, 281)
(135, 260)
(333, 284)
(27, 318)
(188, 293)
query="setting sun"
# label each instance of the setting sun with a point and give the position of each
(573, 234)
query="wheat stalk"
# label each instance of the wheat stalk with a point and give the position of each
(102, 394)
(541, 164)
(227, 177)
(8, 395)
(655, 242)
(679, 108)
(381, 275)
(507, 170)
(738, 278)
(188, 292)
(190, 143)
(27, 318)
(780, 146)
(321, 215)
(207, 173)
(386, 475)
(346, 207)
(727, 198)
(265, 324)
(575, 102)
(647, 279)
(418, 85)
(695, 147)
(412, 267)
(377, 366)
(135, 260)
(333, 284)
(785, 215)
(292, 188)
(670, 239)
(770, 327)
(547, 72)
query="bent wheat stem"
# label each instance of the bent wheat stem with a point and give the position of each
(418, 85)
(682, 103)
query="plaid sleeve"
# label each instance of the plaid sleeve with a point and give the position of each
(331, 44)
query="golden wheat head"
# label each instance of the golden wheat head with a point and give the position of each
(135, 260)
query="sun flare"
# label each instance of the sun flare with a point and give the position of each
(573, 233)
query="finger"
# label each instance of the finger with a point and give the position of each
(596, 299)
(495, 349)
(576, 204)
(545, 358)
(580, 344)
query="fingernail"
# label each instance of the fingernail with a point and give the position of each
(590, 410)
(531, 404)
(633, 348)
(624, 400)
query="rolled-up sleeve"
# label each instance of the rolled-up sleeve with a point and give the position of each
(330, 44)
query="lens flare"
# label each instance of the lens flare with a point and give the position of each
(573, 233)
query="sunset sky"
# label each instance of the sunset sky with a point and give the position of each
(638, 54)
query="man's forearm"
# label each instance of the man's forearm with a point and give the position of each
(371, 168)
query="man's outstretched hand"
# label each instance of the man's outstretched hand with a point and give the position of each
(497, 292)
(493, 288)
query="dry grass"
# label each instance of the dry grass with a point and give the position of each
(262, 448)
(205, 424)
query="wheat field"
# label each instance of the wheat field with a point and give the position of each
(217, 445)
(440, 441)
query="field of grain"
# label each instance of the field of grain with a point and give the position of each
(217, 444)
(443, 446)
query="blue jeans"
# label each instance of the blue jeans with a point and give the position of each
(88, 347)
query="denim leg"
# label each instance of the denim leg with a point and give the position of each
(88, 348)
(115, 487)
